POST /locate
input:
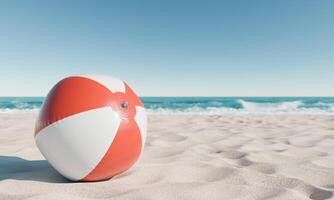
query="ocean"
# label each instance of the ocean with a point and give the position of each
(204, 105)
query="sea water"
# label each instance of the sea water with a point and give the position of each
(203, 105)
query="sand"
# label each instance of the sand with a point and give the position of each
(189, 157)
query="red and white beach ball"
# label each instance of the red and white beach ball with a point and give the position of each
(91, 127)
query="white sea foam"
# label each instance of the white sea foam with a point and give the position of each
(247, 107)
(224, 110)
(332, 107)
(271, 107)
(216, 108)
(15, 111)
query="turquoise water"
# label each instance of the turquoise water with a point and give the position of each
(214, 105)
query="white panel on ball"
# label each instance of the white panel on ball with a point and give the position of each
(141, 120)
(112, 83)
(76, 144)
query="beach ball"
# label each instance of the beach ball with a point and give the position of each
(91, 128)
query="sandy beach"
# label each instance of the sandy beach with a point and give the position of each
(240, 156)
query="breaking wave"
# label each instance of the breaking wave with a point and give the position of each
(271, 107)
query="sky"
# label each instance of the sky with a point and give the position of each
(171, 48)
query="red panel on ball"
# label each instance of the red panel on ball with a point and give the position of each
(127, 144)
(71, 96)
(121, 155)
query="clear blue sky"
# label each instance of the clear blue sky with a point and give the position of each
(171, 48)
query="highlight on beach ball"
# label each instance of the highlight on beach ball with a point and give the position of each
(91, 128)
